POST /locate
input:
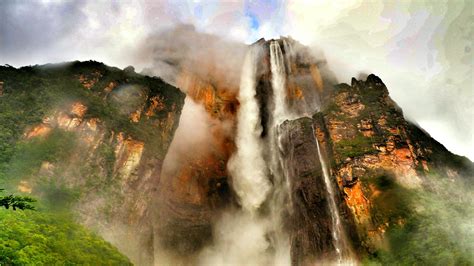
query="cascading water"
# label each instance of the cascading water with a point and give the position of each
(339, 238)
(282, 112)
(281, 193)
(255, 234)
(241, 234)
(247, 166)
(277, 65)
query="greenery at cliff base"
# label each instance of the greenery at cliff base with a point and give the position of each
(50, 235)
(435, 226)
(45, 238)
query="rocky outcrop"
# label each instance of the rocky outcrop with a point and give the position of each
(372, 145)
(310, 220)
(122, 127)
(194, 186)
(372, 150)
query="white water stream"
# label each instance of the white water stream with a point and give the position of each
(339, 238)
(247, 235)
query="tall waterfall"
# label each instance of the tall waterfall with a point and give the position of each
(255, 234)
(339, 238)
(280, 113)
(288, 53)
(247, 166)
(277, 65)
(241, 235)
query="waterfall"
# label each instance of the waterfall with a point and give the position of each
(288, 54)
(281, 195)
(240, 236)
(277, 65)
(255, 234)
(339, 238)
(247, 166)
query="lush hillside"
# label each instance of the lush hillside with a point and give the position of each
(410, 198)
(70, 136)
(47, 238)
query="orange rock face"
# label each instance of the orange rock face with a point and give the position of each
(128, 153)
(112, 85)
(156, 105)
(358, 203)
(365, 120)
(88, 81)
(318, 80)
(78, 109)
(219, 100)
(135, 116)
(38, 131)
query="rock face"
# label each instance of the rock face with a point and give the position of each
(117, 127)
(194, 187)
(121, 125)
(372, 143)
(310, 219)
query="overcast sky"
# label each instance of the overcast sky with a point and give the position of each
(422, 50)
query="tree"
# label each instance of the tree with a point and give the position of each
(16, 202)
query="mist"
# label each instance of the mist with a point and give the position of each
(182, 50)
(421, 50)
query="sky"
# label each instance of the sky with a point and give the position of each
(422, 50)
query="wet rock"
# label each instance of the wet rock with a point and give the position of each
(310, 220)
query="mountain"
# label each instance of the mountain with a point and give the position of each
(284, 166)
(381, 165)
(89, 140)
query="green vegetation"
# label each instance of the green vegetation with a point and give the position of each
(358, 146)
(427, 226)
(38, 238)
(16, 202)
(107, 153)
(49, 236)
(29, 155)
(394, 203)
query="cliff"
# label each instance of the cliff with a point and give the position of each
(343, 176)
(377, 161)
(380, 164)
(90, 139)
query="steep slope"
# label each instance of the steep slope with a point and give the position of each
(380, 159)
(385, 169)
(284, 168)
(92, 139)
(344, 172)
(194, 188)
